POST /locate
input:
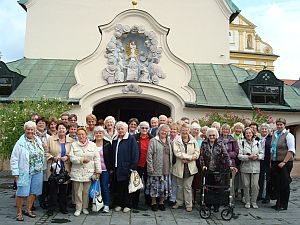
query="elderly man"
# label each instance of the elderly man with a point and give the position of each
(282, 153)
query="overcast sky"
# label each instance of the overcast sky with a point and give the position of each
(277, 21)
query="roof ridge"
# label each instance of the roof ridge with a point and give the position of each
(200, 83)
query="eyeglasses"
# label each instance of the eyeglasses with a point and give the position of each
(144, 128)
(211, 135)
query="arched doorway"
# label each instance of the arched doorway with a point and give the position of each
(125, 108)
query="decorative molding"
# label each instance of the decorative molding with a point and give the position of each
(133, 54)
(132, 88)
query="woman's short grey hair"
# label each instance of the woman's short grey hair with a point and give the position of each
(239, 125)
(98, 129)
(212, 130)
(113, 120)
(143, 124)
(29, 124)
(121, 124)
(266, 126)
(163, 126)
(195, 126)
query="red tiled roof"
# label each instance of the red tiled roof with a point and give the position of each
(289, 82)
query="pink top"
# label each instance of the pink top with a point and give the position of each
(103, 167)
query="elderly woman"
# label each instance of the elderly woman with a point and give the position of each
(91, 121)
(187, 151)
(133, 126)
(250, 154)
(85, 161)
(41, 133)
(238, 129)
(203, 132)
(125, 157)
(26, 162)
(110, 132)
(216, 125)
(57, 151)
(195, 132)
(213, 156)
(159, 167)
(105, 150)
(264, 174)
(142, 139)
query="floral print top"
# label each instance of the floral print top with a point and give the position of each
(36, 156)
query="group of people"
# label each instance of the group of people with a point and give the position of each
(169, 157)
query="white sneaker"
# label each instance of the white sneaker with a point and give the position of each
(247, 205)
(77, 213)
(85, 211)
(126, 209)
(255, 206)
(118, 209)
(106, 209)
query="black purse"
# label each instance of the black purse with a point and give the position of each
(58, 178)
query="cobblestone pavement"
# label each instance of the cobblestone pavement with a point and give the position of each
(263, 215)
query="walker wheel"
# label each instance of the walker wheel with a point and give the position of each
(227, 214)
(205, 212)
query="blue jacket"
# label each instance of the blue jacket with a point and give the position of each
(127, 156)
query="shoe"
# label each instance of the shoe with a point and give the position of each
(171, 203)
(19, 217)
(126, 210)
(176, 206)
(118, 208)
(140, 208)
(77, 213)
(189, 209)
(154, 207)
(255, 206)
(64, 211)
(106, 209)
(30, 214)
(247, 205)
(50, 213)
(85, 211)
(162, 207)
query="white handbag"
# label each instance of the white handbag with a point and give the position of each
(135, 182)
(97, 200)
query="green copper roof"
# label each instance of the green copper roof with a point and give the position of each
(52, 78)
(217, 86)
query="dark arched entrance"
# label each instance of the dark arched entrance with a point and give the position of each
(125, 108)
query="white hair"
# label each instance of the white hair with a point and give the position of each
(121, 124)
(154, 118)
(212, 130)
(195, 126)
(29, 124)
(266, 126)
(143, 124)
(98, 129)
(113, 120)
(163, 126)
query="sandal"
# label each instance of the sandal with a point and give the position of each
(30, 214)
(20, 217)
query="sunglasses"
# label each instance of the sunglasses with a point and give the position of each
(144, 128)
(212, 135)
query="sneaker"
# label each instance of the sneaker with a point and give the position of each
(189, 209)
(77, 213)
(106, 209)
(255, 206)
(126, 210)
(118, 208)
(247, 205)
(85, 211)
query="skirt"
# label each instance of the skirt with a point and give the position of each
(159, 186)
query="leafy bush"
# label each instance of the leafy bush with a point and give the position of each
(231, 118)
(15, 114)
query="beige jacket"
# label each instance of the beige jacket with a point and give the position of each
(54, 149)
(82, 172)
(180, 153)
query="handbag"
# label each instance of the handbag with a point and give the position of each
(135, 182)
(97, 198)
(58, 174)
